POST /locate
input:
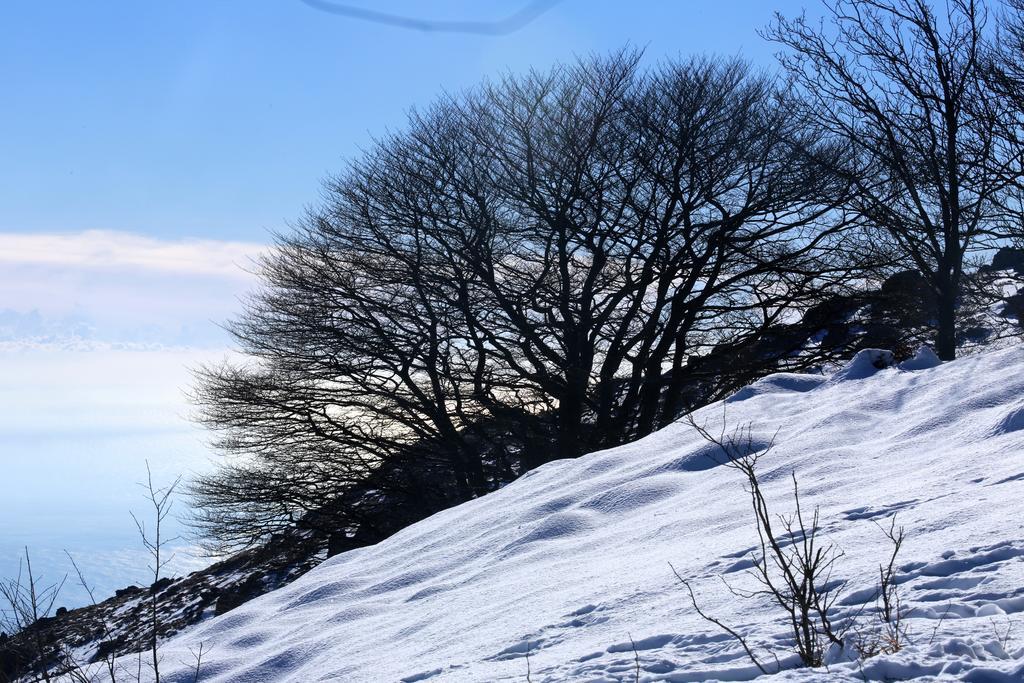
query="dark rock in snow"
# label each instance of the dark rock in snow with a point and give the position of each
(240, 594)
(15, 656)
(976, 333)
(1015, 307)
(880, 335)
(109, 647)
(907, 296)
(1009, 258)
(903, 283)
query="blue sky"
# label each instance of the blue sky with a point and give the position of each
(217, 118)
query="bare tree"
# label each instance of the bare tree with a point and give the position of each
(1005, 71)
(523, 274)
(902, 84)
(161, 502)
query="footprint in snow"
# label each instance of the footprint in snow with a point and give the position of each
(869, 512)
(422, 676)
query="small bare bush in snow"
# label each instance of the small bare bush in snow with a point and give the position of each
(794, 571)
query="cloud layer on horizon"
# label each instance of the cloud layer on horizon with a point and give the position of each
(107, 249)
(122, 288)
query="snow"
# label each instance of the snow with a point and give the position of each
(924, 358)
(565, 572)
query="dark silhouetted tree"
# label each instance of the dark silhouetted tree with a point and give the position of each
(902, 84)
(521, 275)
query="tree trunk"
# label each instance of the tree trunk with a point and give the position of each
(650, 400)
(945, 343)
(674, 392)
(570, 418)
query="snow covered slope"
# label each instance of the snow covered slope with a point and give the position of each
(557, 572)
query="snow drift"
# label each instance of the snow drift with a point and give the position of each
(558, 572)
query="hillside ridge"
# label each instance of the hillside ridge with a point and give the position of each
(569, 564)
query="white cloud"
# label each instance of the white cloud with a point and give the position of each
(115, 287)
(109, 249)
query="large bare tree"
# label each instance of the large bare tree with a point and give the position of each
(1006, 77)
(902, 83)
(522, 274)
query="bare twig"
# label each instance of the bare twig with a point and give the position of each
(796, 576)
(636, 657)
(1003, 638)
(197, 656)
(161, 501)
(938, 624)
(732, 632)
